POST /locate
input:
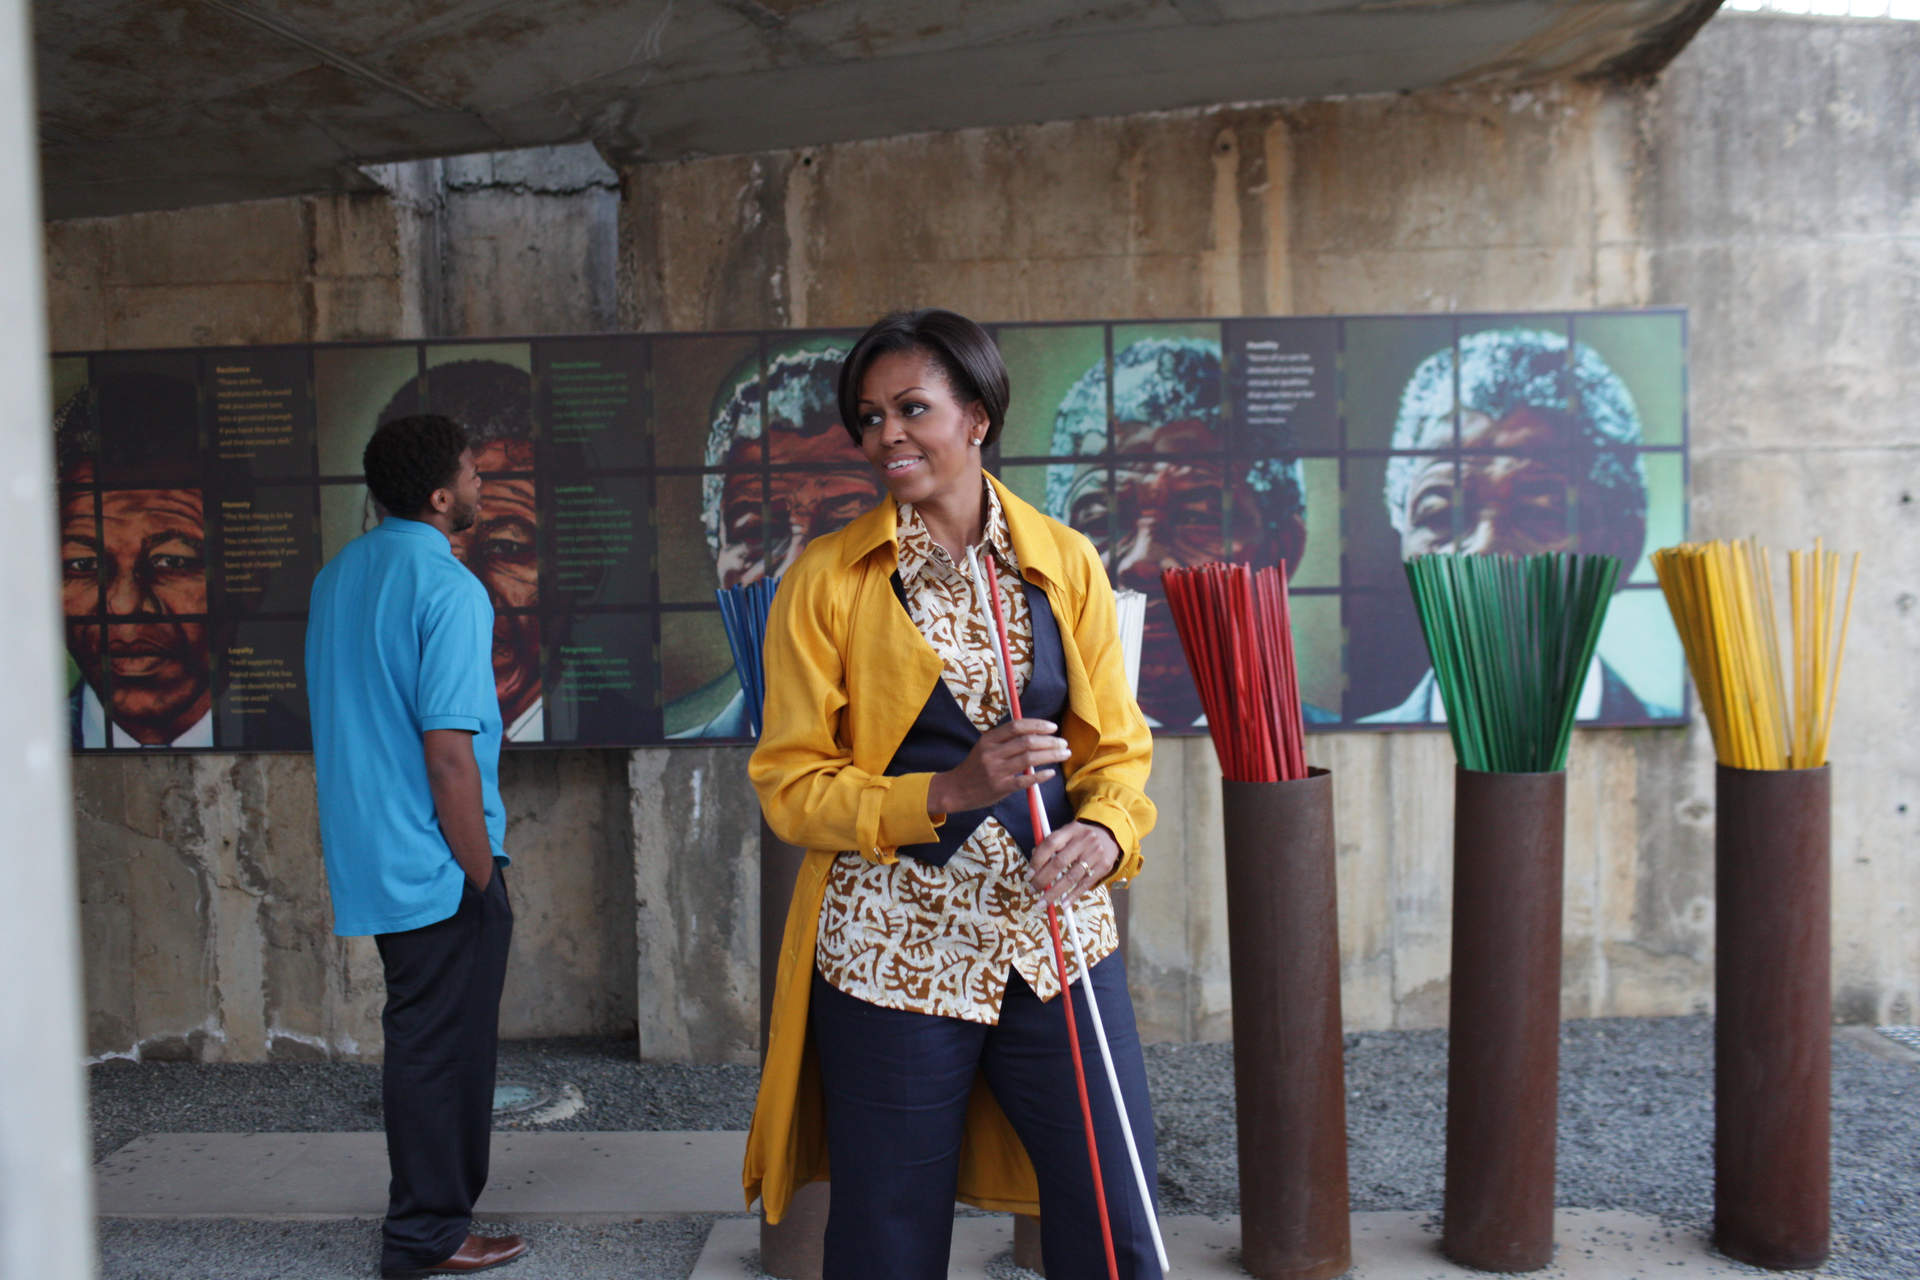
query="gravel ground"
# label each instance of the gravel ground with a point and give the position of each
(131, 1098)
(222, 1249)
(1636, 1126)
(1635, 1131)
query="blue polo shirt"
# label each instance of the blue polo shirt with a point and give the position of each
(399, 641)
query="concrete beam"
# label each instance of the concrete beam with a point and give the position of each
(158, 106)
(46, 1203)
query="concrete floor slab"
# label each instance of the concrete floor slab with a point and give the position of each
(606, 1177)
(577, 1176)
(1592, 1245)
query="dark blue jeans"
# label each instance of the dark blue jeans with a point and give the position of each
(897, 1086)
(442, 1025)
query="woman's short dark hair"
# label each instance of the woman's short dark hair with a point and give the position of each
(409, 458)
(962, 349)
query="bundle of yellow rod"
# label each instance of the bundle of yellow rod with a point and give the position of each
(1723, 602)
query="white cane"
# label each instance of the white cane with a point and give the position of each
(1044, 829)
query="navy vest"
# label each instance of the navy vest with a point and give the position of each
(942, 736)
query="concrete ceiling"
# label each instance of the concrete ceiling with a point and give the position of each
(149, 104)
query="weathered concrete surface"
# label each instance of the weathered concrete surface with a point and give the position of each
(542, 223)
(573, 927)
(592, 1176)
(1437, 202)
(207, 931)
(1593, 1244)
(696, 896)
(1766, 181)
(1785, 209)
(204, 910)
(45, 1200)
(267, 271)
(204, 916)
(149, 106)
(1804, 316)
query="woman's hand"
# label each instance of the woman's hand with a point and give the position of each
(1008, 758)
(1073, 860)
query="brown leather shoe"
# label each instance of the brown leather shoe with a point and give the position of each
(476, 1253)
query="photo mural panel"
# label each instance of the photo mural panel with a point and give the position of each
(629, 476)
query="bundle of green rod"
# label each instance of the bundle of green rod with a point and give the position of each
(1512, 638)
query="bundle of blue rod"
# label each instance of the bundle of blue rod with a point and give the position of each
(743, 610)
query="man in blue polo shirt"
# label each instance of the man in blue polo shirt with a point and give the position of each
(406, 748)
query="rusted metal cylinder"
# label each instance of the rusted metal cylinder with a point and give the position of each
(1773, 1016)
(1026, 1244)
(792, 1248)
(1503, 1018)
(1288, 1068)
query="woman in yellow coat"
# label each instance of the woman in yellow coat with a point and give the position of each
(917, 1045)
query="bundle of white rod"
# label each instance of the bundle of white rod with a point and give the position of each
(1131, 606)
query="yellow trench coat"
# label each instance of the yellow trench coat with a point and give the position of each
(847, 674)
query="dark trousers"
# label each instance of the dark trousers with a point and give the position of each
(897, 1086)
(442, 1024)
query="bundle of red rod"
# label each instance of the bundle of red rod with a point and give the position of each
(1236, 628)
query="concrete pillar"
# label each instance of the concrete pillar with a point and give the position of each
(46, 1194)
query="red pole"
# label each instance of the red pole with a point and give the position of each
(1039, 819)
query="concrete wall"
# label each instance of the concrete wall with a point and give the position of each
(1784, 207)
(1426, 203)
(1766, 181)
(204, 909)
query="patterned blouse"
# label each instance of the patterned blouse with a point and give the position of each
(941, 940)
